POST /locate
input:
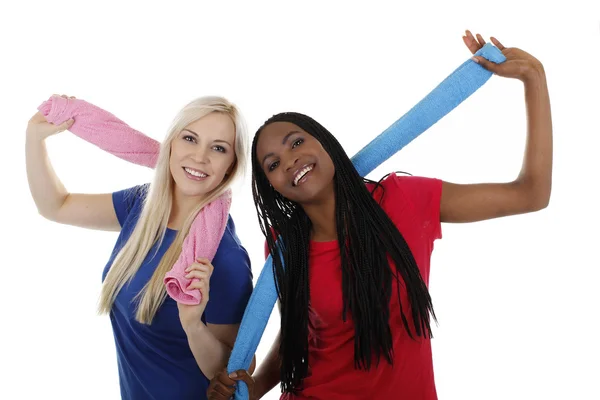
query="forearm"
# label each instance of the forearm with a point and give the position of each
(536, 172)
(47, 190)
(268, 374)
(210, 353)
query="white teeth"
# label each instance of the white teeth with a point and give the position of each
(195, 173)
(301, 174)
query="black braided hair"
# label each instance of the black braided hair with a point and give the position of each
(366, 236)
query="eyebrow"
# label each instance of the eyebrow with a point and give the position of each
(190, 131)
(285, 139)
(214, 141)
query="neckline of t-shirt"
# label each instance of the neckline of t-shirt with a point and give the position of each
(320, 246)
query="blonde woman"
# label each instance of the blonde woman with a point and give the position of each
(165, 350)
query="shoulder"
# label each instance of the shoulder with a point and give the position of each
(127, 200)
(414, 199)
(231, 257)
(231, 280)
(394, 187)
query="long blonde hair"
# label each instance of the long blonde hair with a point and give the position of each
(152, 224)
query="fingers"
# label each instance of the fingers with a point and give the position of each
(204, 261)
(213, 394)
(198, 275)
(470, 42)
(490, 66)
(243, 376)
(200, 284)
(199, 267)
(37, 117)
(65, 125)
(225, 391)
(225, 379)
(497, 43)
(64, 96)
(202, 264)
(221, 387)
(480, 40)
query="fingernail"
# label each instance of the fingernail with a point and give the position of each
(233, 375)
(475, 59)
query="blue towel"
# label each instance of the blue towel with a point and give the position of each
(457, 87)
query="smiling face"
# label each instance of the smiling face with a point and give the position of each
(202, 154)
(295, 163)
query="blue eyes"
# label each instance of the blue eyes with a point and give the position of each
(295, 144)
(192, 139)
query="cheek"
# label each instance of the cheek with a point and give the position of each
(223, 163)
(176, 152)
(278, 181)
(330, 168)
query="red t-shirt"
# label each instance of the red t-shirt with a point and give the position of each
(413, 204)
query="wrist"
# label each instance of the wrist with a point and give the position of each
(34, 137)
(534, 74)
(263, 383)
(194, 328)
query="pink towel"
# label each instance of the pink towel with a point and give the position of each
(208, 229)
(102, 129)
(109, 133)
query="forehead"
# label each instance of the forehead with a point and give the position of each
(215, 125)
(273, 134)
(278, 129)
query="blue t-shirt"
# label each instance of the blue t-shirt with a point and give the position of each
(155, 361)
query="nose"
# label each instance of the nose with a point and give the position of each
(200, 155)
(291, 162)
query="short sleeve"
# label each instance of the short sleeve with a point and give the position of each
(230, 283)
(267, 251)
(423, 195)
(124, 201)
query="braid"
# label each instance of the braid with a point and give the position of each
(366, 237)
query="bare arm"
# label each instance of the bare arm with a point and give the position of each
(53, 201)
(530, 191)
(268, 374)
(211, 345)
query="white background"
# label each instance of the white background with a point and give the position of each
(516, 297)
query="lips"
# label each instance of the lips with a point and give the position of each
(301, 174)
(195, 174)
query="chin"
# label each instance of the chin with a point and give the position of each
(189, 189)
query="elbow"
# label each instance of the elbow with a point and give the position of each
(539, 205)
(47, 214)
(52, 211)
(538, 200)
(535, 195)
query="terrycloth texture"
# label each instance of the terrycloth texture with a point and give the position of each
(203, 241)
(453, 90)
(109, 133)
(457, 87)
(102, 129)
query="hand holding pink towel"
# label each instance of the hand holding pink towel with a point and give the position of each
(109, 133)
(102, 129)
(205, 235)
